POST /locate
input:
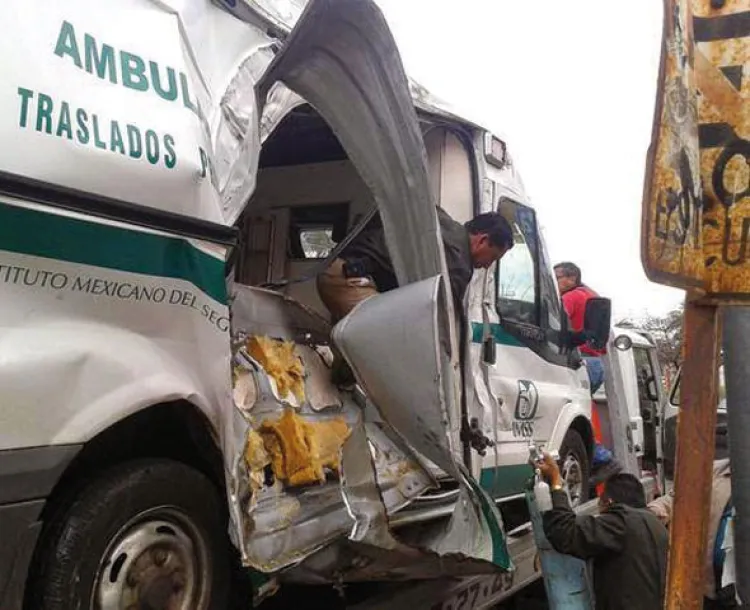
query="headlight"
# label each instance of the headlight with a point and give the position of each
(623, 343)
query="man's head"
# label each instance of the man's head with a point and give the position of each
(622, 488)
(568, 276)
(490, 237)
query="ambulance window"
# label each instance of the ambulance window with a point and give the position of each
(315, 230)
(517, 277)
(317, 242)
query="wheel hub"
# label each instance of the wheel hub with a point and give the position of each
(158, 561)
(572, 474)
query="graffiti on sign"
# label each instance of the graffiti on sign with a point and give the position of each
(672, 211)
(722, 54)
(696, 212)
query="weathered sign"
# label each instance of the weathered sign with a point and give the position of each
(696, 208)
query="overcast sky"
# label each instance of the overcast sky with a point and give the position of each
(570, 86)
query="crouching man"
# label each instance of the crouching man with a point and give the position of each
(626, 542)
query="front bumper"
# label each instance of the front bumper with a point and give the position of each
(19, 531)
(27, 478)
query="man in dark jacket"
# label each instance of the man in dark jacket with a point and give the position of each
(364, 267)
(627, 542)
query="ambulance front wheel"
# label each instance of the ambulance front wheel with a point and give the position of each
(575, 467)
(147, 534)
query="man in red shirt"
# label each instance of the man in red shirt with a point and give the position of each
(575, 294)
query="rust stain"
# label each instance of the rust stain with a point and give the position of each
(671, 221)
(704, 8)
(724, 83)
(696, 212)
(695, 450)
(721, 101)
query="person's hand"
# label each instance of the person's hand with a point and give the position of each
(550, 471)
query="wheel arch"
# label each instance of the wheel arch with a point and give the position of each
(176, 430)
(575, 416)
(583, 427)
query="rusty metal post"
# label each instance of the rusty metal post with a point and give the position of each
(695, 452)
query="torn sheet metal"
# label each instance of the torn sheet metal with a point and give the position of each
(342, 59)
(380, 347)
(291, 493)
(237, 137)
(280, 316)
(285, 513)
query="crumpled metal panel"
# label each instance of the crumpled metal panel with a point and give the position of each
(277, 315)
(346, 47)
(280, 102)
(393, 343)
(237, 146)
(342, 59)
(401, 362)
(275, 525)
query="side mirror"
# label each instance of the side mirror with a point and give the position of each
(489, 350)
(597, 321)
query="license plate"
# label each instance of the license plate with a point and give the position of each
(478, 592)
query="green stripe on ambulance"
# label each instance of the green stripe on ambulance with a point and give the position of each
(47, 235)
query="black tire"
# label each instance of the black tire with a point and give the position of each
(87, 527)
(574, 447)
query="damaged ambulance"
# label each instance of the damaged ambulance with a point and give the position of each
(175, 173)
